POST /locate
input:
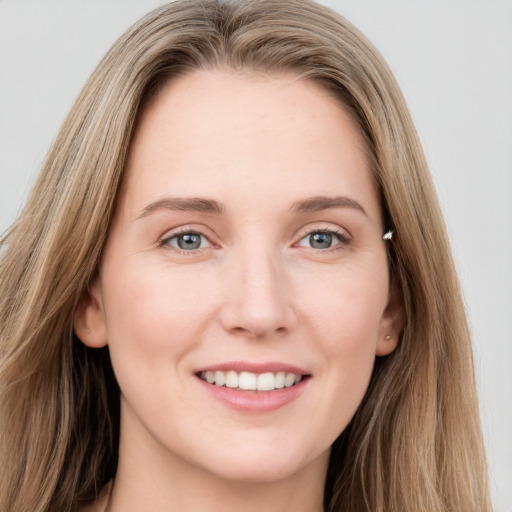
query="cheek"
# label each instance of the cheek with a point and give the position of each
(345, 319)
(348, 337)
(347, 307)
(154, 316)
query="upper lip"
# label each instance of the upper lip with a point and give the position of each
(253, 367)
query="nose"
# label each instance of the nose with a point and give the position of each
(258, 302)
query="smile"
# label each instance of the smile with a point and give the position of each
(267, 381)
(254, 388)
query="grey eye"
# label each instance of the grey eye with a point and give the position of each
(320, 240)
(188, 241)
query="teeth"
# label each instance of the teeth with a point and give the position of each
(231, 379)
(247, 380)
(289, 380)
(251, 381)
(266, 382)
(220, 378)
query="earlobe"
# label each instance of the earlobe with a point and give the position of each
(89, 319)
(391, 323)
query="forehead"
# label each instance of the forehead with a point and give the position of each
(217, 133)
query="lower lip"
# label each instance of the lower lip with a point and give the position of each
(255, 401)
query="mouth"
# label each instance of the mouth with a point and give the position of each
(249, 381)
(254, 388)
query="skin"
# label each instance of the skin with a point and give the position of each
(256, 290)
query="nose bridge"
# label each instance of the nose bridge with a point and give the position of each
(259, 300)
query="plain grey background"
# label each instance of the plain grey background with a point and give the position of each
(453, 59)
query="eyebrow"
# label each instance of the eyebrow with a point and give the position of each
(319, 203)
(201, 205)
(189, 204)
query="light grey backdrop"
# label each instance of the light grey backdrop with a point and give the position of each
(453, 59)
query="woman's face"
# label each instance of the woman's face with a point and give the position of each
(246, 251)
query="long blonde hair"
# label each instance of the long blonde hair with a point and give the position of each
(415, 442)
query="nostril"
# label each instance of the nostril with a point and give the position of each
(258, 332)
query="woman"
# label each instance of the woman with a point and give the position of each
(231, 285)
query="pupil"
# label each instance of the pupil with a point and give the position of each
(321, 240)
(189, 241)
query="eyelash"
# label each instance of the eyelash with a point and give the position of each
(165, 242)
(343, 240)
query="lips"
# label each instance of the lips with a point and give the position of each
(250, 387)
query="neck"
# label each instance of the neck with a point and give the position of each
(161, 482)
(195, 490)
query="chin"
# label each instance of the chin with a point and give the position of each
(263, 466)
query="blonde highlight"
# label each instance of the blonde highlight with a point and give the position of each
(415, 441)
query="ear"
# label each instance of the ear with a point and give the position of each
(89, 320)
(392, 321)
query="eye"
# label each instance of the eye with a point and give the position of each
(187, 241)
(322, 239)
